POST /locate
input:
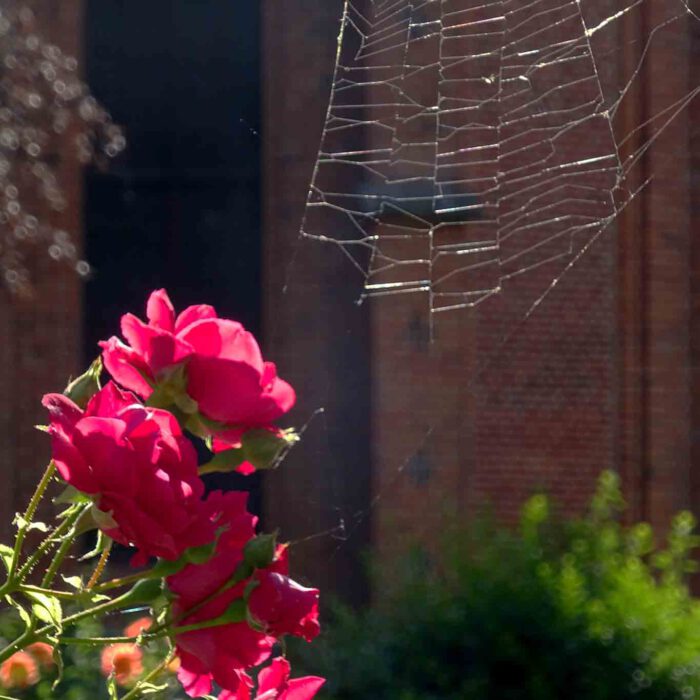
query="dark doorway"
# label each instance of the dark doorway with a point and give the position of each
(181, 209)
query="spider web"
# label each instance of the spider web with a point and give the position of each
(475, 157)
(468, 143)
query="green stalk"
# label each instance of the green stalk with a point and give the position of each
(25, 639)
(28, 516)
(135, 692)
(63, 595)
(120, 582)
(58, 532)
(63, 550)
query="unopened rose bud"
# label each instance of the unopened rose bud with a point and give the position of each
(84, 387)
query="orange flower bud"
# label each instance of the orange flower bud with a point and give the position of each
(19, 671)
(124, 660)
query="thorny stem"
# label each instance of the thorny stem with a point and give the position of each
(26, 638)
(120, 582)
(100, 567)
(64, 595)
(67, 523)
(63, 549)
(28, 516)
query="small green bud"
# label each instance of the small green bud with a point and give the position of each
(260, 551)
(84, 387)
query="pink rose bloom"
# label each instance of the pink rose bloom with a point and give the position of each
(226, 373)
(274, 684)
(283, 606)
(137, 465)
(218, 654)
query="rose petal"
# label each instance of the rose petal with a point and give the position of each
(303, 688)
(224, 338)
(160, 311)
(70, 463)
(102, 443)
(193, 675)
(275, 676)
(158, 348)
(62, 411)
(192, 314)
(109, 401)
(126, 366)
(230, 392)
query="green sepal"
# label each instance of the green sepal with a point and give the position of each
(253, 622)
(237, 611)
(259, 552)
(71, 495)
(143, 591)
(84, 387)
(192, 555)
(171, 391)
(224, 462)
(264, 448)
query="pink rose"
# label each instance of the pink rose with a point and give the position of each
(283, 606)
(137, 465)
(222, 653)
(225, 371)
(274, 684)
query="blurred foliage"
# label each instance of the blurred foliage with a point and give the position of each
(584, 609)
(82, 677)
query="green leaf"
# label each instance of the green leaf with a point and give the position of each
(6, 554)
(74, 582)
(260, 551)
(22, 524)
(46, 608)
(23, 614)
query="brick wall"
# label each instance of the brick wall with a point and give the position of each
(40, 337)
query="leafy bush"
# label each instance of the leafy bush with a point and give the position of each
(585, 610)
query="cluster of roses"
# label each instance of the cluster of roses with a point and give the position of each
(126, 447)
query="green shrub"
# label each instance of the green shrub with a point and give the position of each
(585, 609)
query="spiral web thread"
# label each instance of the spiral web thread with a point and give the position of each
(470, 143)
